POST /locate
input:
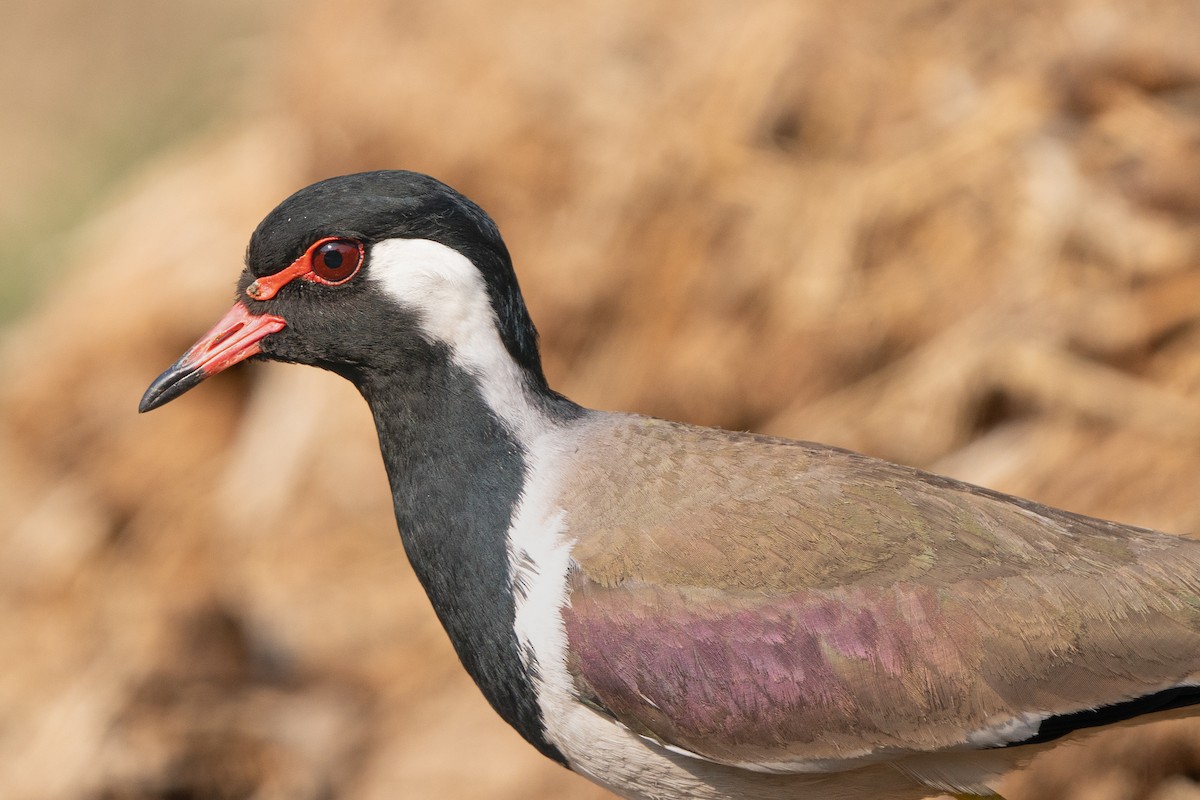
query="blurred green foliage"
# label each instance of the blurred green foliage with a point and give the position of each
(94, 90)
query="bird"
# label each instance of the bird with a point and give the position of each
(676, 611)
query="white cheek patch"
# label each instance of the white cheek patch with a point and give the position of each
(447, 292)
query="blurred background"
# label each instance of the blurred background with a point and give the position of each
(964, 236)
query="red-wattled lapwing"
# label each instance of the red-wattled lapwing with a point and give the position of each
(681, 612)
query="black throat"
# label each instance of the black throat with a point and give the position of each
(456, 475)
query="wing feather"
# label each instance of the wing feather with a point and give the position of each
(790, 607)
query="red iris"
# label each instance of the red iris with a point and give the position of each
(335, 261)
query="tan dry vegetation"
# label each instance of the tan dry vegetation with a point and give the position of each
(958, 235)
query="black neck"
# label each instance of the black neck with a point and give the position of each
(456, 475)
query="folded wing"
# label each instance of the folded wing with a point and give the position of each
(800, 608)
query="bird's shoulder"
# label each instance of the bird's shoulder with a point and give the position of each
(673, 504)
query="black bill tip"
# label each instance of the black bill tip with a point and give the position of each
(178, 378)
(234, 338)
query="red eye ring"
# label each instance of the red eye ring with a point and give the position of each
(331, 261)
(334, 260)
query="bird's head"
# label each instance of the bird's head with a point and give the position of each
(369, 274)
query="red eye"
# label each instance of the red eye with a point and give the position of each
(335, 261)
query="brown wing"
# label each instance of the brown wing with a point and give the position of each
(764, 602)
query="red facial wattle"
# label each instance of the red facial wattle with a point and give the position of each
(331, 261)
